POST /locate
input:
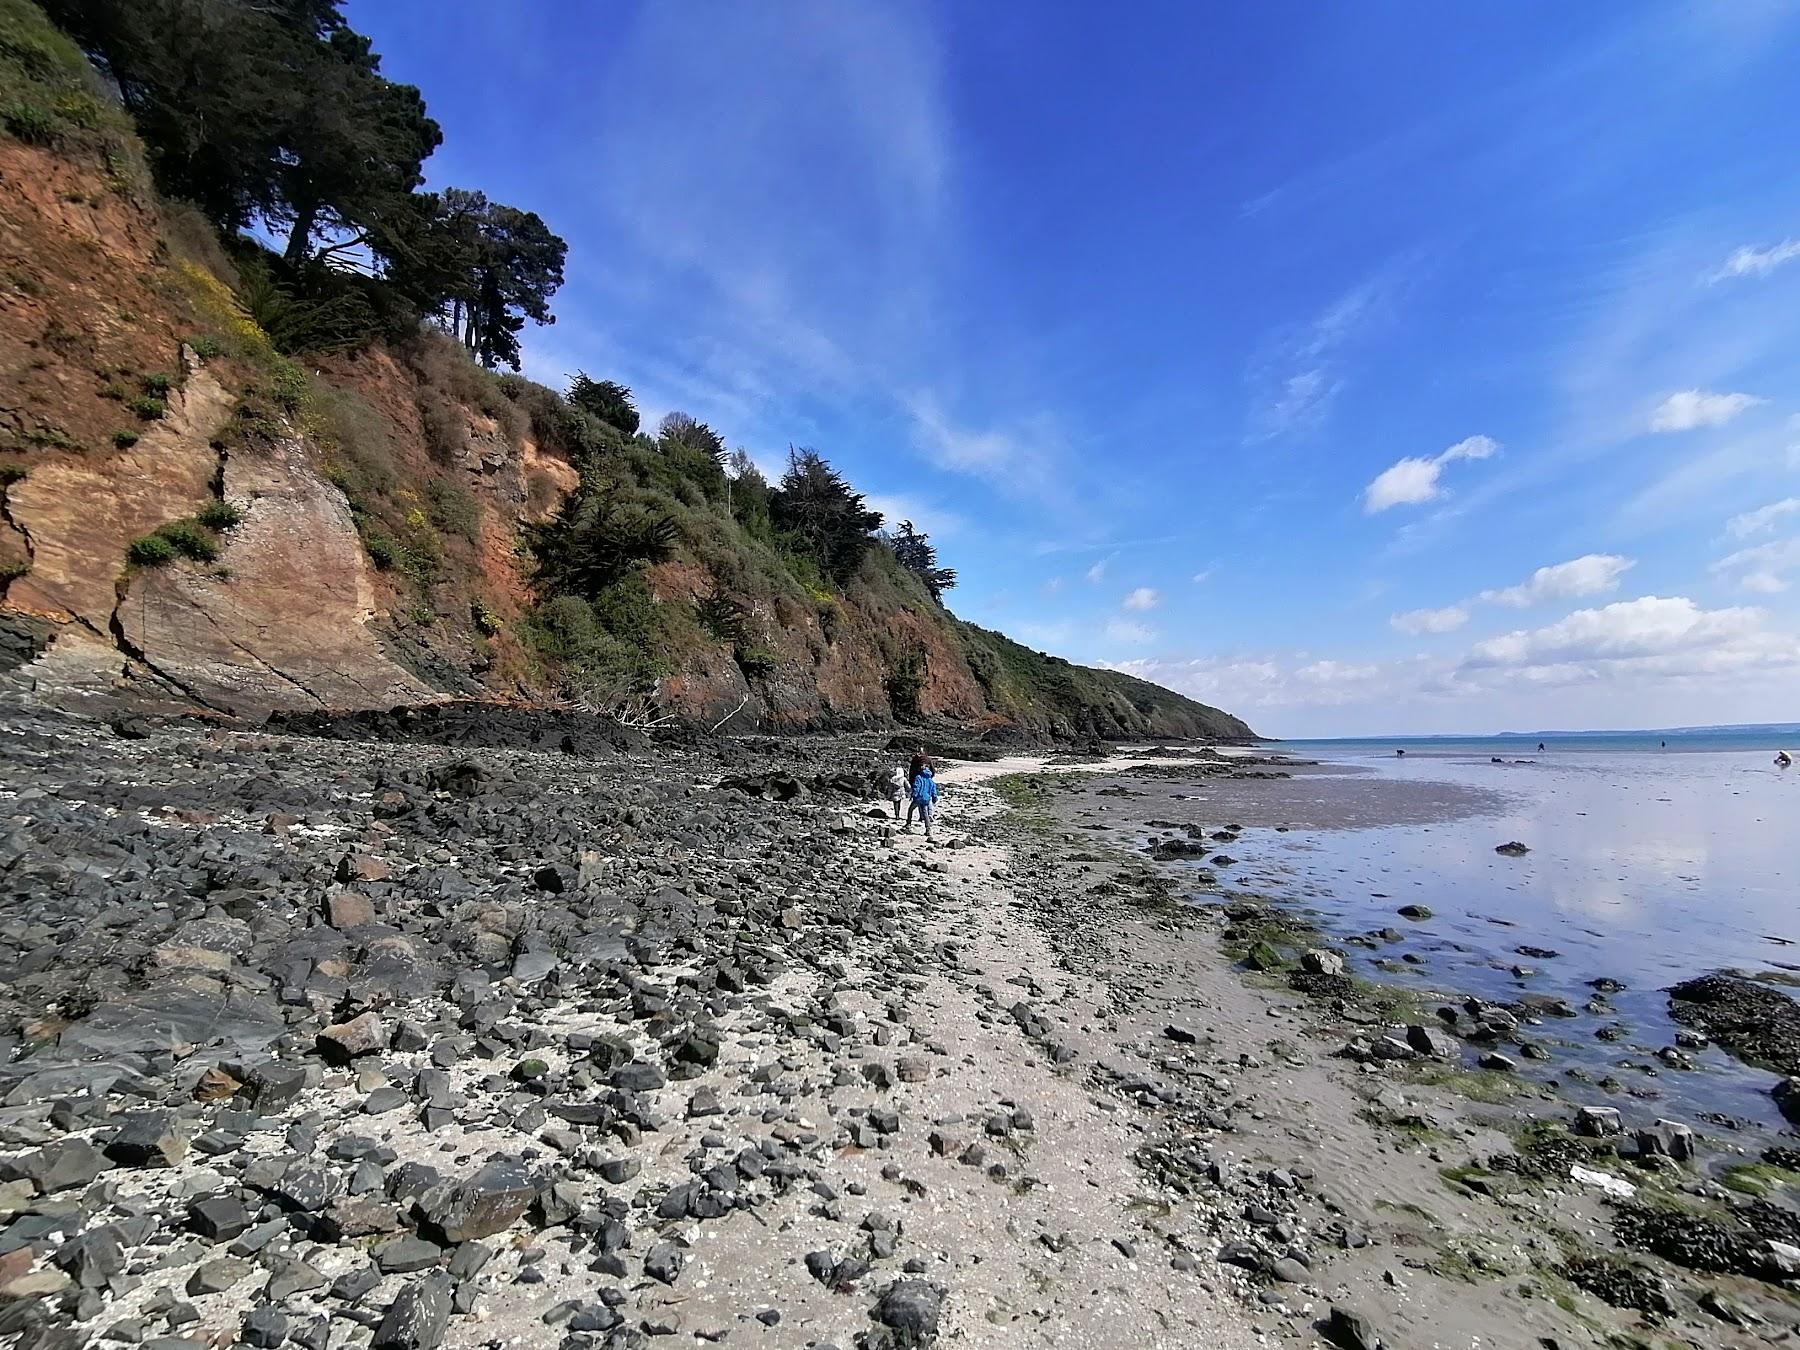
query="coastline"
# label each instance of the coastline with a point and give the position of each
(1490, 1221)
(691, 1063)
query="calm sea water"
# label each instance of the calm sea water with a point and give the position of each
(1646, 865)
(1696, 741)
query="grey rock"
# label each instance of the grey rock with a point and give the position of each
(487, 1203)
(912, 1308)
(363, 1035)
(1351, 1330)
(215, 1277)
(404, 1255)
(1430, 1041)
(265, 1327)
(146, 1139)
(418, 1318)
(664, 1262)
(1598, 1122)
(219, 1217)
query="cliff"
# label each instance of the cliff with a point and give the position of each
(193, 517)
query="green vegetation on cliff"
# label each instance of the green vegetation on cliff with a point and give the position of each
(524, 540)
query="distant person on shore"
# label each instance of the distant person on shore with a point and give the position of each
(896, 788)
(1783, 760)
(924, 800)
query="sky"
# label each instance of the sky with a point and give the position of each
(1359, 369)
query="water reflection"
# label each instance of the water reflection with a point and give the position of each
(1643, 868)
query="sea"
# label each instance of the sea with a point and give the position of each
(1654, 856)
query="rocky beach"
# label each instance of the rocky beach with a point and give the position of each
(337, 1042)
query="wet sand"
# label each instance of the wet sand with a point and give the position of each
(1643, 871)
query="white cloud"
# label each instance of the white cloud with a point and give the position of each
(1410, 481)
(1761, 520)
(1763, 569)
(1017, 461)
(1758, 262)
(1419, 621)
(1590, 574)
(1671, 633)
(1144, 597)
(1247, 683)
(1202, 577)
(1053, 585)
(927, 517)
(1097, 573)
(1125, 631)
(1691, 408)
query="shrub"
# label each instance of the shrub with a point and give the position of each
(289, 387)
(11, 569)
(724, 618)
(151, 550)
(355, 438)
(191, 539)
(755, 660)
(446, 433)
(158, 383)
(484, 617)
(220, 515)
(124, 440)
(382, 550)
(30, 122)
(148, 407)
(453, 509)
(905, 682)
(204, 345)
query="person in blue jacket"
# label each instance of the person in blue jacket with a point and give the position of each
(924, 800)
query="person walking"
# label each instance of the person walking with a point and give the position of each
(897, 788)
(924, 800)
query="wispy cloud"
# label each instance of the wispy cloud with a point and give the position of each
(1097, 573)
(1299, 372)
(1407, 482)
(1129, 633)
(1758, 262)
(1415, 622)
(1020, 461)
(1764, 569)
(928, 517)
(1761, 520)
(1143, 598)
(1201, 577)
(1691, 408)
(1590, 574)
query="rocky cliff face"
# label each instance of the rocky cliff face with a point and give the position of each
(372, 555)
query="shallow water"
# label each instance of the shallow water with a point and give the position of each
(1644, 867)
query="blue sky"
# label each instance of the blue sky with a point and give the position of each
(1377, 368)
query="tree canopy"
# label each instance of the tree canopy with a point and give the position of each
(823, 516)
(915, 552)
(275, 113)
(605, 399)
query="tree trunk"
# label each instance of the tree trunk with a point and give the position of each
(301, 235)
